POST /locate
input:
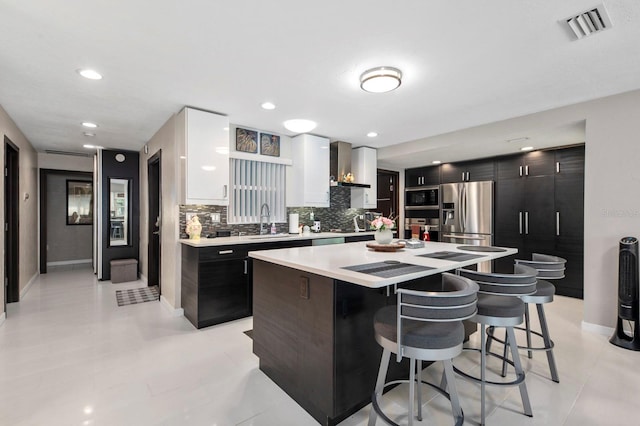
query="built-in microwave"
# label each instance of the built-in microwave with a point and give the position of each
(426, 197)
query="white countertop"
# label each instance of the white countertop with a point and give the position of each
(329, 260)
(254, 239)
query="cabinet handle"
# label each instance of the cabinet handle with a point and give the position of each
(225, 252)
(224, 191)
(526, 223)
(520, 171)
(520, 222)
(526, 170)
(558, 223)
(557, 167)
(245, 266)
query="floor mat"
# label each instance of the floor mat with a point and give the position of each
(137, 295)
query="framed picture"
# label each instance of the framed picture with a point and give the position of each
(269, 145)
(246, 140)
(79, 202)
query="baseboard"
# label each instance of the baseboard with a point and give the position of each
(597, 328)
(70, 262)
(143, 278)
(29, 284)
(175, 312)
(2, 317)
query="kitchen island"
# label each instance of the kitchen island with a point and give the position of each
(313, 316)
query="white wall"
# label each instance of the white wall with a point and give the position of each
(66, 162)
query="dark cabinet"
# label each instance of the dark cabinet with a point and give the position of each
(468, 171)
(542, 211)
(217, 281)
(216, 285)
(422, 176)
(537, 163)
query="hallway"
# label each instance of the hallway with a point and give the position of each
(70, 356)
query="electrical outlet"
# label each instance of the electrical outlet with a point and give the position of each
(215, 217)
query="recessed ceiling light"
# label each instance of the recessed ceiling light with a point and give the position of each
(527, 148)
(92, 146)
(89, 134)
(226, 129)
(436, 162)
(300, 125)
(372, 134)
(268, 105)
(90, 125)
(380, 79)
(90, 74)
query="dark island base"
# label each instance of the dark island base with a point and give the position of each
(314, 337)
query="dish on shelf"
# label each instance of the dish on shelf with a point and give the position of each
(386, 247)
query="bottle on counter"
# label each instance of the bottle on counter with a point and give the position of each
(273, 228)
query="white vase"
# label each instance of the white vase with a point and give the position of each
(384, 236)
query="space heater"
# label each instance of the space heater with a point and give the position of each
(628, 302)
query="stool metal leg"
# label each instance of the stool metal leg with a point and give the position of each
(419, 383)
(519, 371)
(382, 374)
(453, 392)
(483, 366)
(412, 388)
(505, 354)
(527, 323)
(547, 342)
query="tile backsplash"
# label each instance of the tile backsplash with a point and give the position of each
(338, 216)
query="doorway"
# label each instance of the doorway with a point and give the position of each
(154, 219)
(11, 225)
(388, 193)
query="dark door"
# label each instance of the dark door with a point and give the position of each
(11, 226)
(388, 193)
(509, 221)
(539, 221)
(154, 217)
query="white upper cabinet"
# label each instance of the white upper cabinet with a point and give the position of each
(205, 170)
(364, 166)
(309, 178)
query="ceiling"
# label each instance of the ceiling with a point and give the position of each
(464, 64)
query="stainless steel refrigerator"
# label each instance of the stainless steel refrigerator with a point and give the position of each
(467, 215)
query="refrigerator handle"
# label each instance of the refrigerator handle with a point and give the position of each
(463, 207)
(520, 222)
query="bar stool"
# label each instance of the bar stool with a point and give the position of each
(499, 305)
(548, 268)
(430, 328)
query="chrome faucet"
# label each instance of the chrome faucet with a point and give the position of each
(263, 229)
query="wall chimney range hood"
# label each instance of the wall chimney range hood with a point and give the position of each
(340, 164)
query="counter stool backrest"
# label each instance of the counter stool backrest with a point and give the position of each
(548, 267)
(522, 282)
(456, 302)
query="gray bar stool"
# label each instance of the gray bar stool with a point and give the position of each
(500, 305)
(548, 268)
(430, 328)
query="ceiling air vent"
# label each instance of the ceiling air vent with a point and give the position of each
(75, 154)
(589, 22)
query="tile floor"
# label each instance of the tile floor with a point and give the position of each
(70, 356)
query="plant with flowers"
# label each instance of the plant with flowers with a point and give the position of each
(381, 223)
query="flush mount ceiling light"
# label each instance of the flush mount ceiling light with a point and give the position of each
(436, 162)
(300, 125)
(268, 105)
(372, 134)
(90, 74)
(527, 148)
(89, 125)
(380, 79)
(89, 134)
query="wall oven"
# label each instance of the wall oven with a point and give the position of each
(423, 198)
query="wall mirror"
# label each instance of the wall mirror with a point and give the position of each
(119, 212)
(79, 202)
